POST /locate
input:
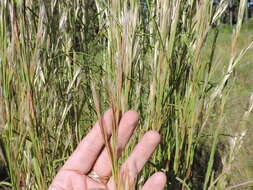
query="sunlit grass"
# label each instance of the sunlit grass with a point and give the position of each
(152, 56)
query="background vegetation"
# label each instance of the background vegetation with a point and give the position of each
(187, 75)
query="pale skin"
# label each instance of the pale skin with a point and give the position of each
(91, 155)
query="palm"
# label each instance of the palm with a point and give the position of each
(91, 156)
(72, 180)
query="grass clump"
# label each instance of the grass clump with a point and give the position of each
(144, 55)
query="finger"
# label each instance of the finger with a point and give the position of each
(138, 157)
(95, 185)
(68, 180)
(157, 181)
(79, 182)
(83, 158)
(126, 127)
(143, 151)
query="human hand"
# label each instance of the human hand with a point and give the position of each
(90, 157)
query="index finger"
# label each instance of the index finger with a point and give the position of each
(87, 151)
